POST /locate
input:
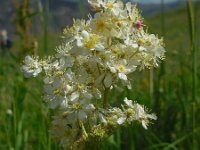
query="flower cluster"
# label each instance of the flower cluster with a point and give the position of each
(96, 55)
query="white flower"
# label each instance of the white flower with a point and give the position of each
(89, 41)
(143, 116)
(63, 131)
(53, 96)
(137, 112)
(133, 12)
(131, 42)
(95, 3)
(67, 61)
(113, 6)
(80, 111)
(122, 68)
(96, 55)
(31, 67)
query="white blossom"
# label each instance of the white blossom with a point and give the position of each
(96, 55)
(31, 67)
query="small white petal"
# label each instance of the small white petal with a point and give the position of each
(108, 80)
(85, 34)
(129, 86)
(122, 76)
(128, 102)
(56, 102)
(113, 69)
(135, 45)
(79, 43)
(67, 88)
(64, 103)
(75, 96)
(48, 80)
(99, 47)
(28, 59)
(142, 49)
(69, 61)
(144, 125)
(102, 119)
(82, 115)
(90, 107)
(121, 120)
(98, 94)
(152, 116)
(87, 95)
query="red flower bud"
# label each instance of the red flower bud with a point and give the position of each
(138, 24)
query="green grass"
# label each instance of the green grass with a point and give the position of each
(168, 94)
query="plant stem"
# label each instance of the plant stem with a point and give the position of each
(105, 100)
(151, 86)
(192, 40)
(81, 8)
(46, 15)
(194, 64)
(163, 17)
(162, 70)
(14, 122)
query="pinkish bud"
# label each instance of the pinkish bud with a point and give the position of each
(138, 24)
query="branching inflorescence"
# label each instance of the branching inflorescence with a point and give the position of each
(96, 55)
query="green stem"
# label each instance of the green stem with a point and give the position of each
(14, 123)
(151, 86)
(81, 8)
(85, 135)
(194, 64)
(105, 100)
(163, 17)
(193, 125)
(162, 70)
(46, 15)
(192, 40)
(48, 135)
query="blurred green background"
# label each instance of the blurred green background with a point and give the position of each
(171, 91)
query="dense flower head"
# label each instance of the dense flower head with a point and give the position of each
(96, 55)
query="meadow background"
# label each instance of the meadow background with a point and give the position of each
(171, 91)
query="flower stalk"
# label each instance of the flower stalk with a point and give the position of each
(191, 20)
(105, 100)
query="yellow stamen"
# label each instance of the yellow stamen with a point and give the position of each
(57, 92)
(109, 5)
(121, 68)
(80, 86)
(100, 25)
(93, 39)
(76, 106)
